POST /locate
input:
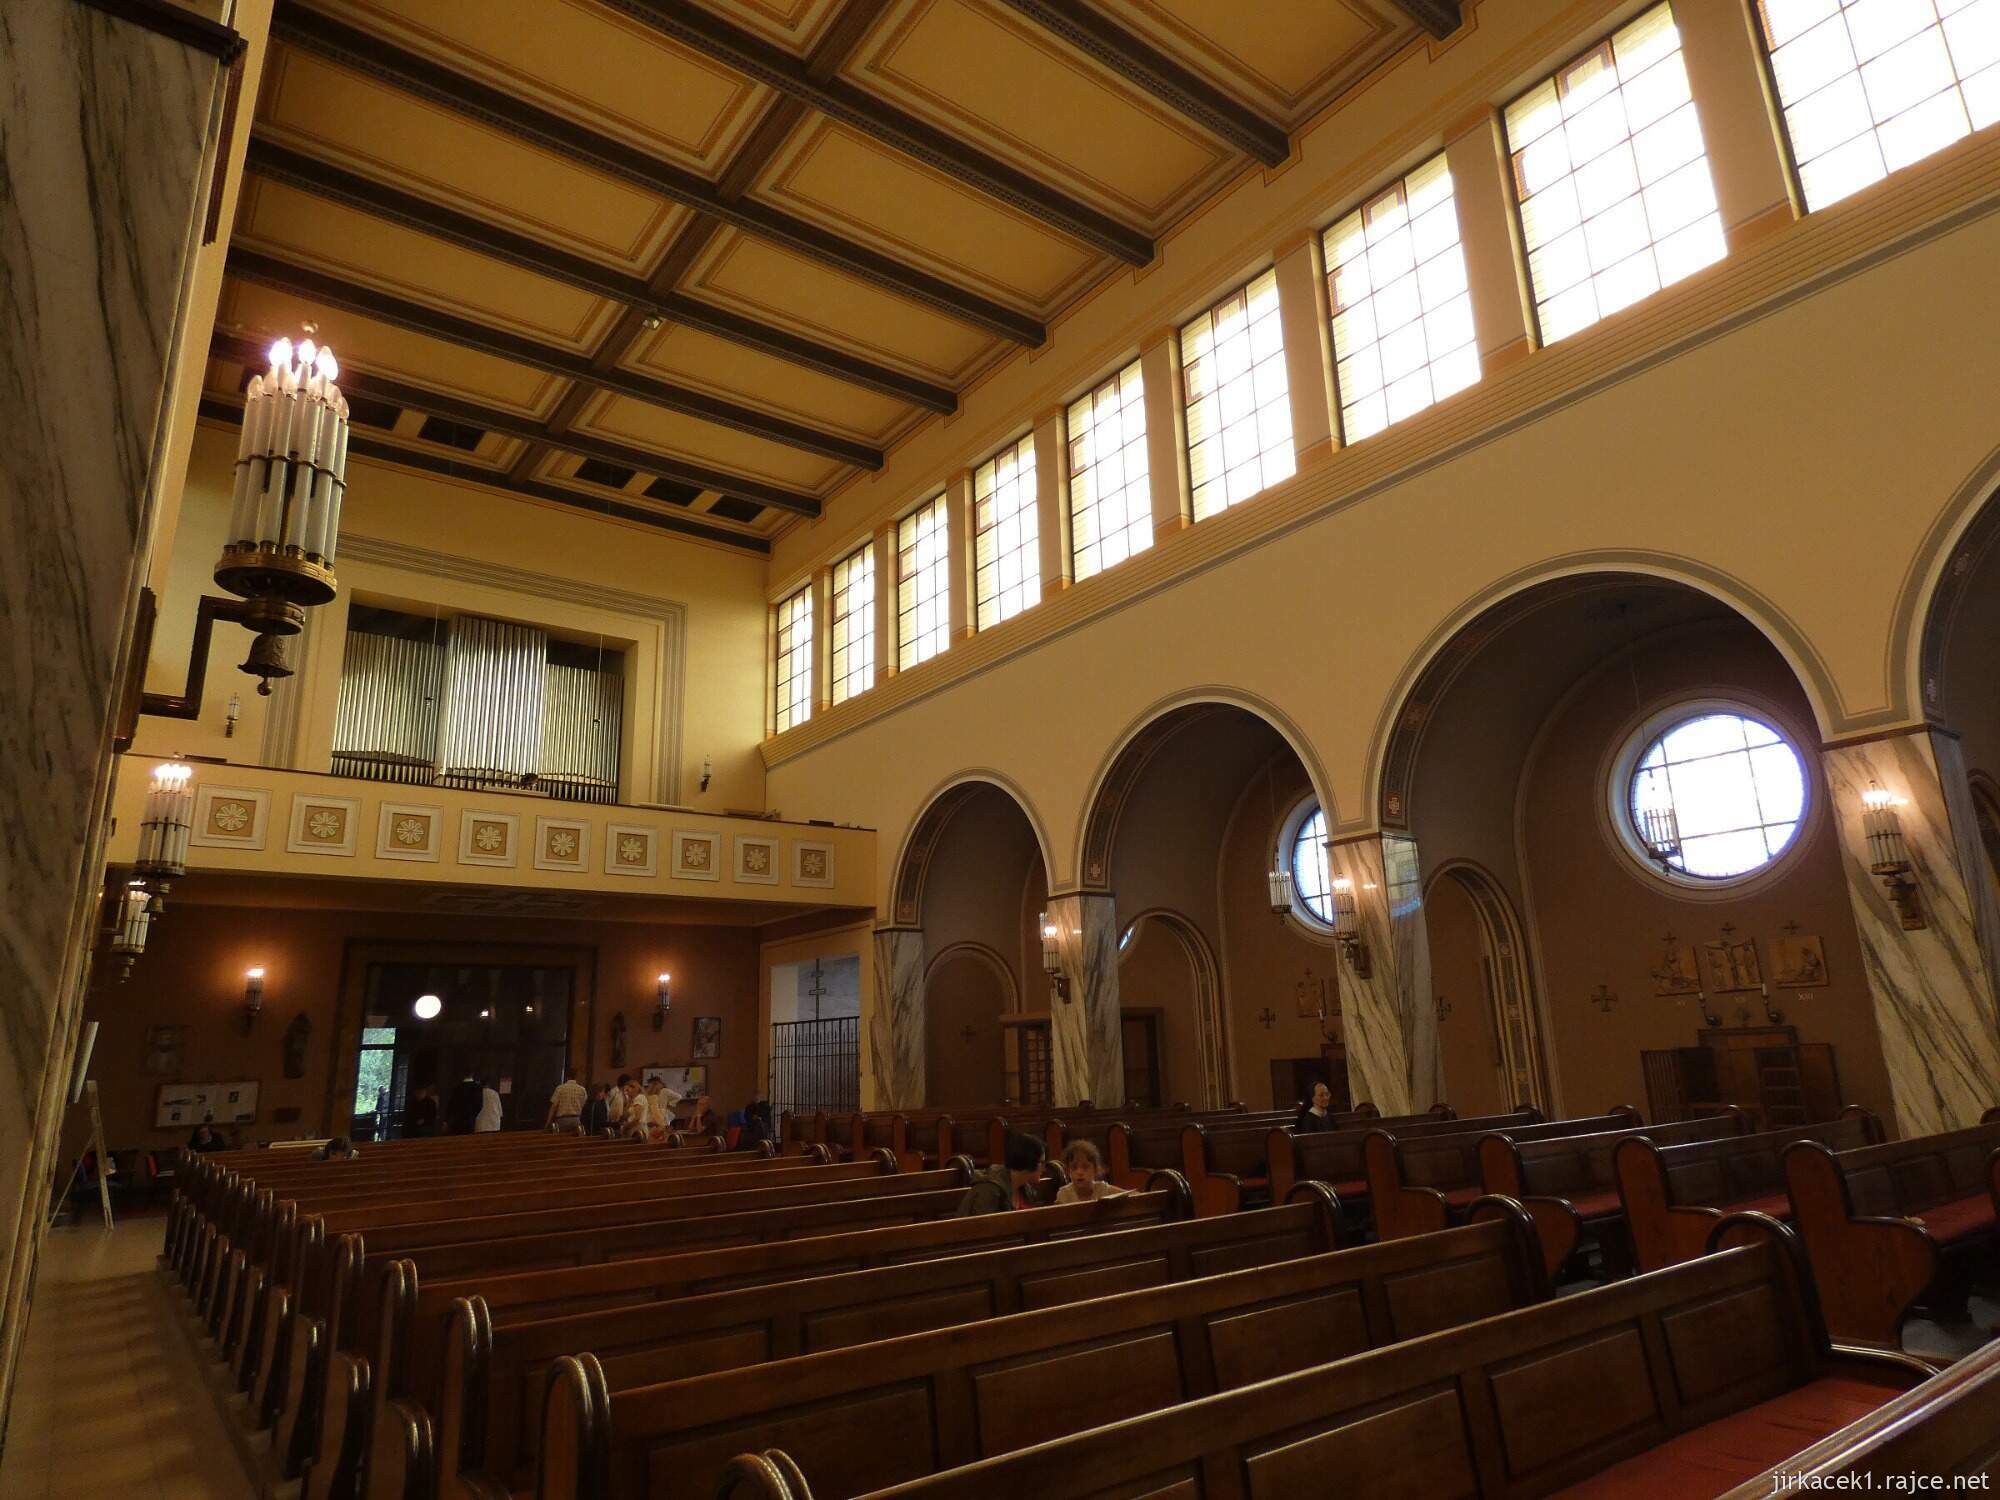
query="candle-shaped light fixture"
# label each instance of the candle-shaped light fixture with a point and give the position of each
(664, 1003)
(166, 825)
(133, 917)
(253, 997)
(291, 476)
(1052, 958)
(1347, 926)
(1281, 890)
(1889, 855)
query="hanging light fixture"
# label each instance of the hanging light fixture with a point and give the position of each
(128, 932)
(1281, 891)
(1347, 926)
(166, 826)
(291, 474)
(1052, 958)
(664, 1002)
(427, 1007)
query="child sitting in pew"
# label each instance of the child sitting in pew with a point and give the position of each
(1008, 1183)
(1086, 1175)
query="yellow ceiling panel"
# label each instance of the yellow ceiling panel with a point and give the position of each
(1283, 60)
(998, 80)
(690, 357)
(858, 188)
(359, 247)
(385, 350)
(724, 448)
(583, 61)
(325, 109)
(795, 25)
(770, 283)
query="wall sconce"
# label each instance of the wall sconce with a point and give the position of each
(1347, 927)
(427, 1007)
(1052, 960)
(253, 998)
(229, 719)
(1771, 1012)
(135, 915)
(485, 1013)
(166, 827)
(664, 1003)
(1889, 855)
(1281, 892)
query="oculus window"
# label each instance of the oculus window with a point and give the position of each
(1735, 785)
(1110, 491)
(1239, 411)
(1006, 533)
(1872, 85)
(1402, 316)
(1312, 879)
(923, 584)
(852, 622)
(1612, 178)
(793, 698)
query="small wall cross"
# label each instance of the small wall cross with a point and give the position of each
(1603, 997)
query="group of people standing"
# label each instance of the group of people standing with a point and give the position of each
(646, 1112)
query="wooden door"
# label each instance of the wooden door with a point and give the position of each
(1142, 1059)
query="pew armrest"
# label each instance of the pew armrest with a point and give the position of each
(1217, 1193)
(1558, 1226)
(575, 1456)
(770, 1475)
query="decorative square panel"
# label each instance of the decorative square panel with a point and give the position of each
(488, 838)
(409, 831)
(757, 860)
(562, 844)
(323, 825)
(631, 850)
(230, 817)
(812, 864)
(697, 856)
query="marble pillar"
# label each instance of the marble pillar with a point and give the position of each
(1388, 1017)
(1085, 1034)
(895, 1023)
(1932, 991)
(105, 131)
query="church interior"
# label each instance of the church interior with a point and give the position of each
(801, 749)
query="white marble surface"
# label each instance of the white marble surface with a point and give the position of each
(1410, 960)
(1934, 1000)
(896, 1022)
(1085, 1033)
(1388, 1018)
(102, 133)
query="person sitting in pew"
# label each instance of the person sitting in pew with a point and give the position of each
(635, 1118)
(596, 1116)
(1086, 1175)
(340, 1148)
(757, 1126)
(614, 1103)
(207, 1138)
(1318, 1114)
(1008, 1183)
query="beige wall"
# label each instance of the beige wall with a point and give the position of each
(1474, 1080)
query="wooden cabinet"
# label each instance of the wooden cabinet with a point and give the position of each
(1765, 1070)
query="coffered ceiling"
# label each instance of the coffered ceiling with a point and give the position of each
(697, 264)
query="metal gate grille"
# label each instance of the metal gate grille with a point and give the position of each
(816, 1065)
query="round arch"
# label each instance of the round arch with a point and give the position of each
(1211, 1035)
(1516, 1011)
(921, 842)
(1935, 586)
(1119, 772)
(945, 1062)
(1450, 648)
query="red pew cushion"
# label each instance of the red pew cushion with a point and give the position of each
(1956, 1220)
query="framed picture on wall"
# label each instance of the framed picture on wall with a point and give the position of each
(1674, 971)
(708, 1036)
(1798, 962)
(1728, 968)
(230, 817)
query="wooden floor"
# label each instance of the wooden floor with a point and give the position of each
(109, 1403)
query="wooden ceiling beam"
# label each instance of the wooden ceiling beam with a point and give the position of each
(324, 179)
(1180, 88)
(366, 446)
(240, 349)
(315, 32)
(386, 307)
(1439, 17)
(751, 55)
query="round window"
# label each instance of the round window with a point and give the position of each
(1312, 883)
(1715, 794)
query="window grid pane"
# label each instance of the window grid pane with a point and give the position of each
(1239, 414)
(1869, 87)
(1402, 315)
(1110, 492)
(794, 696)
(923, 584)
(1312, 881)
(1006, 534)
(1736, 789)
(1613, 180)
(852, 620)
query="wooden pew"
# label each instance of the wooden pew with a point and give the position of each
(881, 1413)
(491, 1398)
(1673, 1195)
(1417, 1184)
(1946, 1431)
(1676, 1383)
(1334, 1157)
(1227, 1164)
(1895, 1225)
(1570, 1185)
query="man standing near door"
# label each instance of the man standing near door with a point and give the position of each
(461, 1111)
(566, 1105)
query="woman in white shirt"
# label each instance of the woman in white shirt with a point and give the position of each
(489, 1109)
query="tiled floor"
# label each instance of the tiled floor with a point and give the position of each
(109, 1403)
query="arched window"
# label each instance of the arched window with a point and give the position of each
(1312, 883)
(1713, 794)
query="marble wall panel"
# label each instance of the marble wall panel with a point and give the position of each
(1085, 1032)
(895, 1027)
(1410, 958)
(1388, 1018)
(1933, 995)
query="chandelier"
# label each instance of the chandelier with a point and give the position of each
(291, 472)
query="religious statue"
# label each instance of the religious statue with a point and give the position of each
(297, 1035)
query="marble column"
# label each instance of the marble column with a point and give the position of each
(105, 131)
(1388, 1016)
(1084, 1030)
(1932, 990)
(895, 1023)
